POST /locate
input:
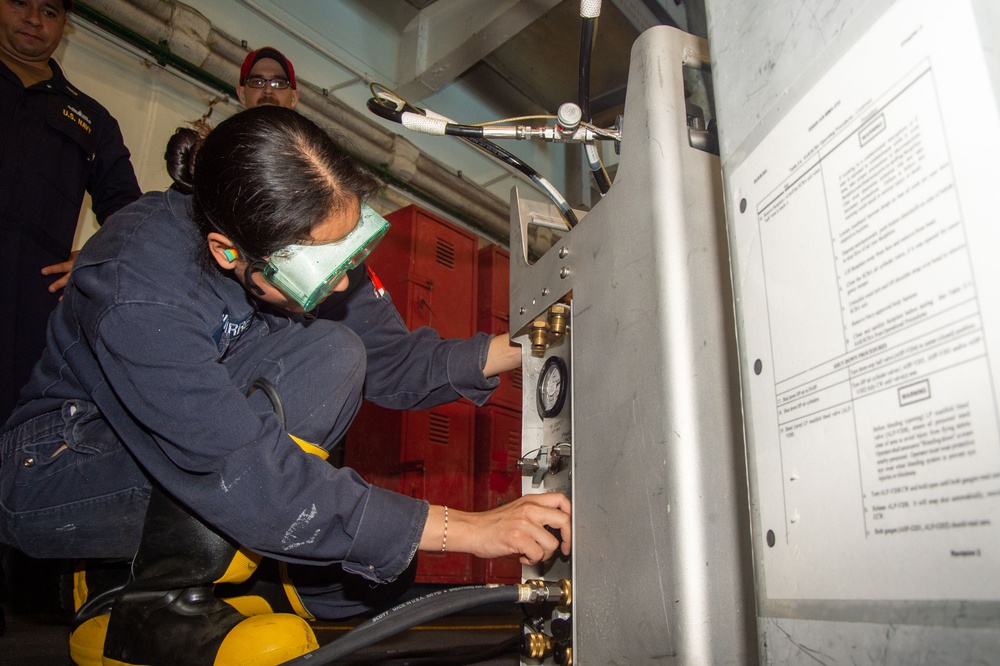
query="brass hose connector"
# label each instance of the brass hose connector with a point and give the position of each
(537, 646)
(539, 592)
(565, 593)
(539, 336)
(558, 322)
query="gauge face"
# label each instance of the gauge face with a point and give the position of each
(553, 383)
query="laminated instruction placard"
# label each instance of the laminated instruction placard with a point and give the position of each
(866, 260)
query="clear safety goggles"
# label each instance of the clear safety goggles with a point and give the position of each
(307, 273)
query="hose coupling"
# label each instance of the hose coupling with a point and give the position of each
(537, 646)
(540, 591)
(565, 593)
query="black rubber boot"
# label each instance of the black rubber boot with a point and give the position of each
(168, 613)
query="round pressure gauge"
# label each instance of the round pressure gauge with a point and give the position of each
(553, 384)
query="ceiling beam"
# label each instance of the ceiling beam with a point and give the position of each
(446, 38)
(644, 14)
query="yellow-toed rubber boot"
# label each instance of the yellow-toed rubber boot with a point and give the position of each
(169, 614)
(95, 585)
(86, 641)
(270, 591)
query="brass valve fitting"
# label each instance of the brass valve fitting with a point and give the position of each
(537, 646)
(539, 336)
(558, 321)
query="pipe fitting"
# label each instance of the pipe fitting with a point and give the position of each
(558, 322)
(540, 591)
(539, 336)
(537, 646)
(565, 593)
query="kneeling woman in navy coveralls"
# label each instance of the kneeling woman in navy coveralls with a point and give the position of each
(184, 407)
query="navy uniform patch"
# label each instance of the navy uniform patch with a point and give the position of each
(73, 120)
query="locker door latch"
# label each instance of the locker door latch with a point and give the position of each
(407, 466)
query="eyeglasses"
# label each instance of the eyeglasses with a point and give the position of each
(259, 82)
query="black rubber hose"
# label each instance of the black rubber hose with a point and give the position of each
(451, 129)
(588, 34)
(271, 392)
(499, 153)
(602, 179)
(504, 156)
(383, 111)
(559, 201)
(474, 136)
(463, 131)
(407, 615)
(456, 656)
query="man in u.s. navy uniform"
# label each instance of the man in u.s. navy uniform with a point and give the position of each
(55, 144)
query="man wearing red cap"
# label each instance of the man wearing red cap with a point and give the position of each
(267, 77)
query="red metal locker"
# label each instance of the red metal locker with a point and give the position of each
(497, 481)
(429, 268)
(493, 316)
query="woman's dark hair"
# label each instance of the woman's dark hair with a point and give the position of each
(265, 177)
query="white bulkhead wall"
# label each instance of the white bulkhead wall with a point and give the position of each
(150, 101)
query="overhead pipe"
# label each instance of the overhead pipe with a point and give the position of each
(178, 36)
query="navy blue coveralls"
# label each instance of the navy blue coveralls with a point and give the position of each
(149, 359)
(55, 144)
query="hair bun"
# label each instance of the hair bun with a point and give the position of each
(182, 149)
